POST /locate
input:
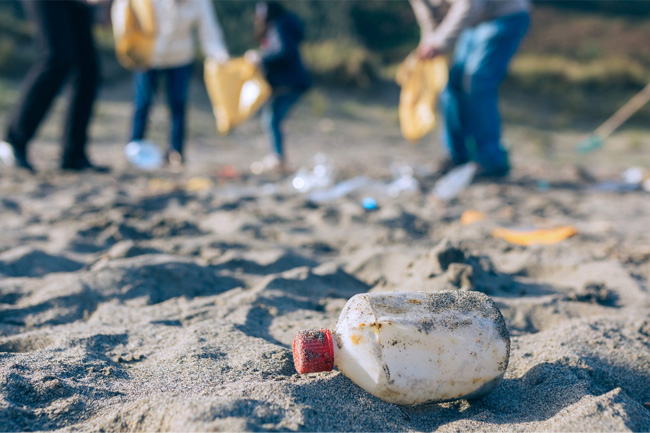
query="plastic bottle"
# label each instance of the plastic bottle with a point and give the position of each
(144, 154)
(341, 189)
(412, 347)
(450, 185)
(403, 180)
(633, 176)
(319, 177)
(7, 154)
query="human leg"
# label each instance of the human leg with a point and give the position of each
(178, 80)
(85, 82)
(144, 87)
(452, 103)
(496, 41)
(46, 76)
(274, 114)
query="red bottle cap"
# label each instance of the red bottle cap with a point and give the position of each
(313, 351)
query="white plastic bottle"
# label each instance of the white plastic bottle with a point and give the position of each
(412, 347)
(451, 184)
(339, 190)
(320, 177)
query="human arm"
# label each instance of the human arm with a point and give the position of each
(118, 15)
(210, 33)
(436, 40)
(424, 16)
(282, 39)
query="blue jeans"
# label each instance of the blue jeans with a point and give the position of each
(274, 112)
(472, 129)
(145, 84)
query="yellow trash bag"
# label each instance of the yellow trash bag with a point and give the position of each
(237, 90)
(421, 82)
(539, 236)
(134, 45)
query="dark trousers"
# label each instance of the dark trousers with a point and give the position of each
(66, 50)
(177, 83)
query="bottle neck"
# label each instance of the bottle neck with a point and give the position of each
(335, 346)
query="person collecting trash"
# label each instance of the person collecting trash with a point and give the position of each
(487, 34)
(172, 56)
(279, 33)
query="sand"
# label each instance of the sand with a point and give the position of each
(157, 301)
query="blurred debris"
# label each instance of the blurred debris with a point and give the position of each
(403, 180)
(198, 184)
(632, 179)
(144, 154)
(319, 177)
(268, 164)
(472, 216)
(339, 190)
(369, 204)
(228, 172)
(633, 175)
(454, 182)
(535, 236)
(160, 184)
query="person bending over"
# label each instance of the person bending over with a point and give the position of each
(279, 33)
(487, 34)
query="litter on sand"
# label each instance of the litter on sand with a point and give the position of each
(198, 184)
(535, 236)
(144, 154)
(472, 216)
(341, 189)
(453, 183)
(632, 179)
(160, 184)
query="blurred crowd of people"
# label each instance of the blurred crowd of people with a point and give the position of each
(485, 34)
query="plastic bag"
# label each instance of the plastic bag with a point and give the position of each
(421, 82)
(134, 43)
(237, 90)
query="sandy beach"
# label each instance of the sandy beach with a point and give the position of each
(168, 300)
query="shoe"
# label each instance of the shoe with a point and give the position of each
(492, 174)
(10, 157)
(446, 165)
(83, 164)
(174, 158)
(269, 164)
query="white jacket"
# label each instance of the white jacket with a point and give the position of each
(176, 21)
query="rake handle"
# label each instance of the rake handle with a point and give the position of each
(624, 113)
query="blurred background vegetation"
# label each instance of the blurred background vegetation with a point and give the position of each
(581, 58)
